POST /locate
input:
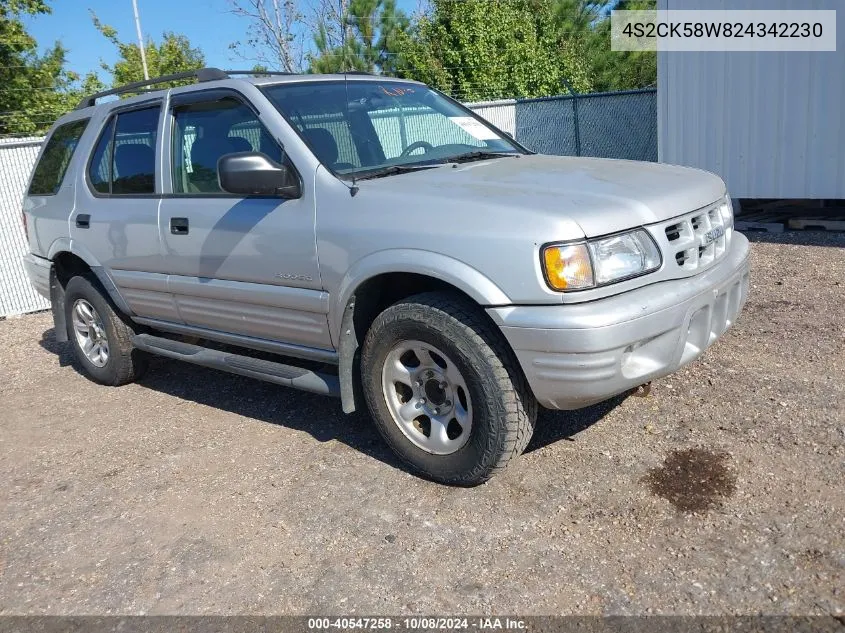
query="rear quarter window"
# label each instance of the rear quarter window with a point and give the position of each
(55, 159)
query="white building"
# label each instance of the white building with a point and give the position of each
(771, 124)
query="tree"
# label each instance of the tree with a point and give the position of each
(330, 16)
(587, 24)
(34, 89)
(577, 17)
(487, 49)
(173, 55)
(372, 30)
(345, 34)
(275, 37)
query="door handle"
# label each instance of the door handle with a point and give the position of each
(83, 221)
(179, 226)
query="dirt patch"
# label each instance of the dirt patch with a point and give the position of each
(693, 480)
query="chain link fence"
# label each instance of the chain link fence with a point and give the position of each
(604, 125)
(608, 125)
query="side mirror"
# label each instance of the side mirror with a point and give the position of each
(254, 173)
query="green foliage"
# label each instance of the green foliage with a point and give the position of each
(576, 17)
(372, 29)
(486, 49)
(34, 89)
(173, 55)
(472, 49)
(587, 23)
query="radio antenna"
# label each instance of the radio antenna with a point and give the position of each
(354, 188)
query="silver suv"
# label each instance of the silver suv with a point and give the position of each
(370, 238)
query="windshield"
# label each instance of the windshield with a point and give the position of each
(363, 126)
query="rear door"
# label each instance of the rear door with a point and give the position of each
(239, 265)
(116, 215)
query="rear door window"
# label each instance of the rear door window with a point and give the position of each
(50, 170)
(123, 163)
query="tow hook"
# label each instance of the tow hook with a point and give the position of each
(642, 391)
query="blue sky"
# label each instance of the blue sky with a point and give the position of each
(207, 23)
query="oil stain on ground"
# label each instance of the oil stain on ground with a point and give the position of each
(693, 480)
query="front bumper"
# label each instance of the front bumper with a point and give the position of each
(578, 354)
(38, 271)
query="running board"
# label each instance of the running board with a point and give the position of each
(278, 373)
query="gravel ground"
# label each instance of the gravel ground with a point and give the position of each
(199, 492)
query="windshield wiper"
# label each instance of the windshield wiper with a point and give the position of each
(393, 169)
(478, 155)
(467, 157)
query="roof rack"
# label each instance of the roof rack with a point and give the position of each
(201, 75)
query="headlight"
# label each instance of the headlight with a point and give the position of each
(601, 261)
(727, 211)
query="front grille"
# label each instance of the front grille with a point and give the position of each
(696, 240)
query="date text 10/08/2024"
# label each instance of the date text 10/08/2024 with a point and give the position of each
(418, 623)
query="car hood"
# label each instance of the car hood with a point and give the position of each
(601, 195)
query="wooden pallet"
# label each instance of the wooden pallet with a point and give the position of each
(817, 224)
(751, 226)
(775, 216)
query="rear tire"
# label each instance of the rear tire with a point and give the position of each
(100, 337)
(445, 390)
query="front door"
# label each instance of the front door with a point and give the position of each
(239, 265)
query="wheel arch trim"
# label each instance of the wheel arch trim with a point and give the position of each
(76, 248)
(447, 269)
(434, 265)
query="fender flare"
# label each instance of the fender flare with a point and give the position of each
(75, 247)
(406, 260)
(452, 271)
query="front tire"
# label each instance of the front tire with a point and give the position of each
(445, 390)
(100, 337)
